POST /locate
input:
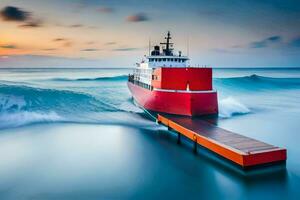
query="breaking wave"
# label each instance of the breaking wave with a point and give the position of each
(229, 107)
(24, 98)
(16, 119)
(21, 104)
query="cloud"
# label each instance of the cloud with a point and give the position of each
(90, 49)
(8, 46)
(295, 42)
(32, 24)
(105, 9)
(10, 13)
(139, 17)
(110, 43)
(65, 42)
(265, 42)
(59, 39)
(76, 26)
(125, 49)
(260, 44)
(48, 61)
(275, 38)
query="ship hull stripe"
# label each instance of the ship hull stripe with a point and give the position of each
(179, 103)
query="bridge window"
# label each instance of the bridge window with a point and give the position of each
(164, 59)
(168, 59)
(171, 59)
(159, 60)
(155, 59)
(175, 59)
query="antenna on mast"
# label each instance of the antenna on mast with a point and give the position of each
(188, 46)
(149, 46)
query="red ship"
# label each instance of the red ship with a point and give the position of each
(164, 82)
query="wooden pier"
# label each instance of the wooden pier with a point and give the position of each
(242, 150)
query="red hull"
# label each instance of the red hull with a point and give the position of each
(179, 103)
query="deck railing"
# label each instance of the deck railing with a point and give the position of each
(139, 83)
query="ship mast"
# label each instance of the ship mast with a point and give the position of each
(167, 51)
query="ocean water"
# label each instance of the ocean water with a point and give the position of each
(76, 134)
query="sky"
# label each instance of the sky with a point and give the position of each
(116, 33)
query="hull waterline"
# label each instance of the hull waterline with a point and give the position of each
(179, 103)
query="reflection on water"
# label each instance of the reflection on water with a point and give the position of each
(99, 161)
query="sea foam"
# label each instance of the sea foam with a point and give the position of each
(230, 106)
(16, 119)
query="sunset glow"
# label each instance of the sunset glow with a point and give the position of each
(219, 34)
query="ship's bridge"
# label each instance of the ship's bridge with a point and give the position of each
(164, 58)
(165, 61)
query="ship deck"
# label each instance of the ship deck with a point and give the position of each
(242, 150)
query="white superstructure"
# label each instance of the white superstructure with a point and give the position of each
(159, 57)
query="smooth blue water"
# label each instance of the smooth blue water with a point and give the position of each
(75, 134)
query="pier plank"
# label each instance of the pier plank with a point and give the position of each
(240, 149)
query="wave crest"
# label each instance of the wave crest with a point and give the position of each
(24, 98)
(255, 82)
(21, 105)
(16, 119)
(230, 106)
(113, 78)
